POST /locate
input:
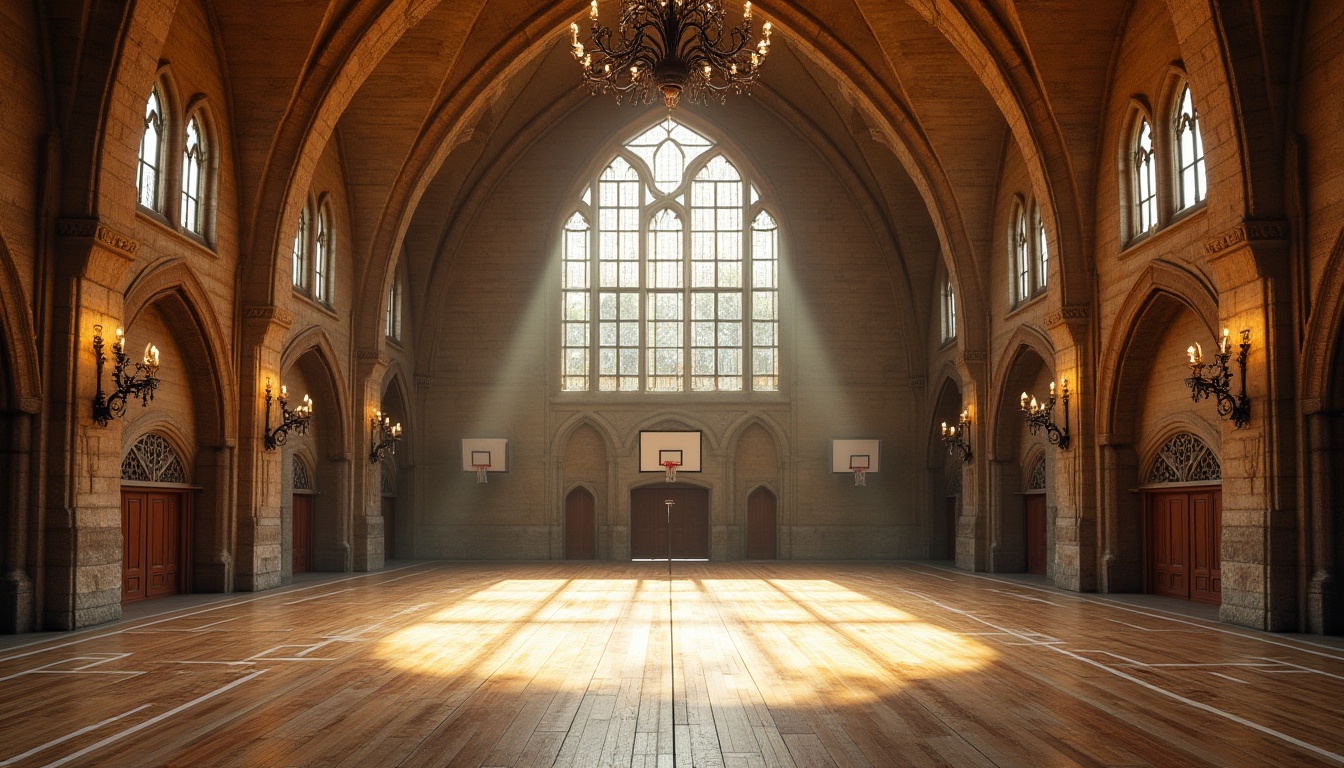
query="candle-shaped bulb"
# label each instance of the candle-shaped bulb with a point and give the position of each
(746, 11)
(1034, 406)
(1052, 389)
(944, 427)
(120, 340)
(1222, 345)
(396, 430)
(592, 13)
(766, 29)
(284, 391)
(1024, 401)
(1066, 387)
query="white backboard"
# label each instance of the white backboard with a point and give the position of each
(655, 447)
(845, 453)
(488, 450)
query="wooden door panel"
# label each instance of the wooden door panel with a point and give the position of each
(1169, 544)
(302, 533)
(1035, 535)
(649, 532)
(163, 543)
(133, 514)
(1205, 541)
(580, 525)
(762, 525)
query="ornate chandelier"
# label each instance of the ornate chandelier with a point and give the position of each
(673, 47)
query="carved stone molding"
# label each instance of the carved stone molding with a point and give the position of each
(917, 382)
(1067, 315)
(368, 354)
(95, 230)
(1247, 231)
(972, 357)
(268, 312)
(423, 382)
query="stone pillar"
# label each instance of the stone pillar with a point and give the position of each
(1074, 512)
(1122, 535)
(82, 538)
(1325, 593)
(1260, 525)
(973, 525)
(257, 558)
(369, 550)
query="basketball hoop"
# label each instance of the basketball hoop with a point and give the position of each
(859, 464)
(671, 467)
(480, 473)
(859, 474)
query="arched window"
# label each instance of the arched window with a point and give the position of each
(301, 252)
(393, 329)
(193, 176)
(1144, 179)
(676, 274)
(1042, 251)
(949, 310)
(1189, 152)
(151, 154)
(322, 257)
(1021, 265)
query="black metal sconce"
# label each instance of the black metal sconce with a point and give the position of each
(1218, 382)
(1038, 416)
(386, 435)
(290, 421)
(139, 383)
(958, 438)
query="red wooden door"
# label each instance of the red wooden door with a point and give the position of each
(134, 514)
(580, 525)
(1169, 544)
(1035, 535)
(649, 529)
(1206, 524)
(153, 544)
(303, 533)
(163, 546)
(389, 527)
(761, 525)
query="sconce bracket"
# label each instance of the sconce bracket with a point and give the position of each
(1217, 384)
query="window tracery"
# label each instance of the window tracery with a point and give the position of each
(152, 460)
(1184, 459)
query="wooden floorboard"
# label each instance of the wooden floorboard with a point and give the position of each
(733, 665)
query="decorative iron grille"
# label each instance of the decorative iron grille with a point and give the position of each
(153, 460)
(1036, 480)
(1184, 459)
(302, 481)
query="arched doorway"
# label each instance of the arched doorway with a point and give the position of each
(301, 520)
(1183, 504)
(155, 521)
(580, 525)
(389, 508)
(1035, 537)
(685, 535)
(762, 525)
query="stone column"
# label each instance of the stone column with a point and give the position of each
(369, 550)
(1074, 512)
(257, 561)
(17, 605)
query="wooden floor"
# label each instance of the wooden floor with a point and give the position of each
(572, 665)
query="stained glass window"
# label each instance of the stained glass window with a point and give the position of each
(193, 176)
(1145, 180)
(151, 158)
(1189, 152)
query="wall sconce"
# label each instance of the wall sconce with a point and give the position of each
(139, 383)
(1038, 416)
(386, 435)
(1217, 383)
(290, 421)
(958, 438)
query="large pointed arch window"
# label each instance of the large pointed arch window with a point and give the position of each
(150, 165)
(1144, 179)
(193, 176)
(665, 287)
(1191, 181)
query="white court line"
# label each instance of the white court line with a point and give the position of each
(1227, 677)
(1156, 613)
(173, 615)
(153, 720)
(319, 597)
(69, 736)
(1321, 751)
(1300, 668)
